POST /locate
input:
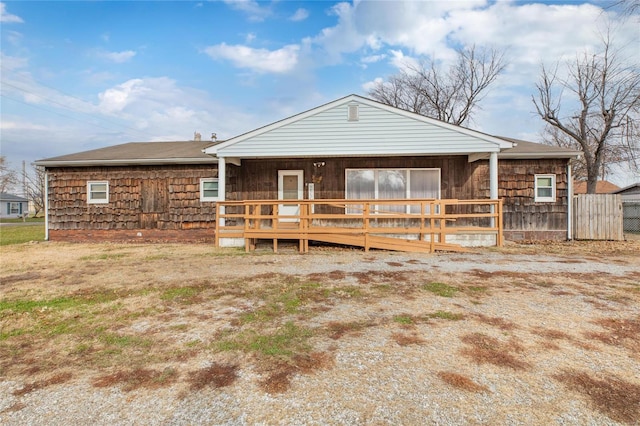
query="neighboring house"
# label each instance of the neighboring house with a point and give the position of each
(13, 206)
(630, 207)
(351, 148)
(602, 187)
(629, 193)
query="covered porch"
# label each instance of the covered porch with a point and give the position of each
(411, 225)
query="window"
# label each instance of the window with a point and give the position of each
(390, 184)
(209, 189)
(98, 192)
(14, 208)
(545, 188)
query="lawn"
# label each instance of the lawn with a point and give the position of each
(490, 333)
(18, 234)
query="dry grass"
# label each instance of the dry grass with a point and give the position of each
(618, 332)
(484, 349)
(498, 322)
(406, 339)
(138, 378)
(459, 381)
(56, 379)
(612, 396)
(152, 316)
(278, 375)
(216, 376)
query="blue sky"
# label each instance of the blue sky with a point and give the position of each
(83, 75)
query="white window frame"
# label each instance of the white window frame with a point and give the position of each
(541, 199)
(408, 189)
(15, 205)
(90, 191)
(203, 198)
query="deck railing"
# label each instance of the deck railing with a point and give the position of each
(405, 225)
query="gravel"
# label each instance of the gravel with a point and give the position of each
(373, 379)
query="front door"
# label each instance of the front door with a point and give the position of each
(290, 187)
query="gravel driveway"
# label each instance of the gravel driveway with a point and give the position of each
(523, 335)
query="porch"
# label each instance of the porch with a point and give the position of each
(411, 225)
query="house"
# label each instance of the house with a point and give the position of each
(12, 206)
(351, 148)
(629, 193)
(602, 187)
(630, 207)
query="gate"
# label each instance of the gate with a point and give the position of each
(598, 217)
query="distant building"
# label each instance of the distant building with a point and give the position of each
(630, 193)
(12, 206)
(602, 187)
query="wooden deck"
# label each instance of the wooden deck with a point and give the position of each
(378, 224)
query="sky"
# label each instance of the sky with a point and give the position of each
(79, 75)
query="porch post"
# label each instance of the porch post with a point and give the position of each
(493, 176)
(46, 205)
(222, 187)
(569, 202)
(493, 182)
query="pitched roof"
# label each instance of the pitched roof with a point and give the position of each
(136, 153)
(524, 150)
(631, 189)
(602, 187)
(4, 196)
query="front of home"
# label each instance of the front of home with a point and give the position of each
(13, 206)
(352, 149)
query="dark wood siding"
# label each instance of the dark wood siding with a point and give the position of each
(517, 186)
(258, 179)
(140, 197)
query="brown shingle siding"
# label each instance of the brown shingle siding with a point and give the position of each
(141, 197)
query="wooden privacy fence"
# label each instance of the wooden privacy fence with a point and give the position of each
(598, 217)
(402, 225)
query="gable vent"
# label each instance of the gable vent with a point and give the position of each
(353, 113)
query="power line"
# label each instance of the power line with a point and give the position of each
(58, 113)
(145, 135)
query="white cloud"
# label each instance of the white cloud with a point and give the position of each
(11, 63)
(371, 84)
(300, 15)
(372, 58)
(252, 8)
(167, 111)
(259, 60)
(402, 62)
(7, 17)
(115, 57)
(250, 37)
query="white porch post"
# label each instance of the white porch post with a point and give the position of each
(222, 187)
(46, 205)
(569, 202)
(493, 182)
(493, 176)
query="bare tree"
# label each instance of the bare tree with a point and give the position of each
(450, 95)
(36, 188)
(628, 7)
(593, 109)
(8, 177)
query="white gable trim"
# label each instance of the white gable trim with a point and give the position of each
(496, 144)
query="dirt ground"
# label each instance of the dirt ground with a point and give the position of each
(189, 334)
